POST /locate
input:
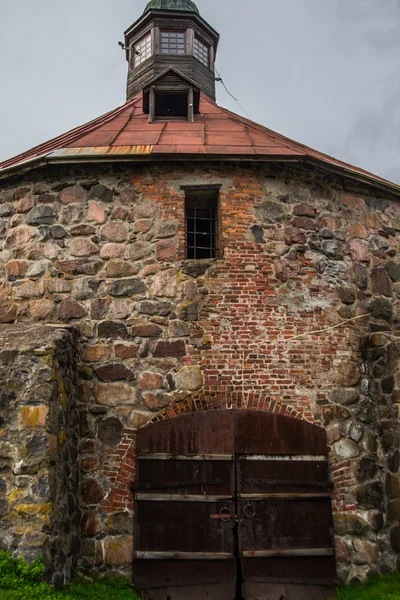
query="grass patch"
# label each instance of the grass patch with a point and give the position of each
(20, 581)
(99, 589)
(383, 587)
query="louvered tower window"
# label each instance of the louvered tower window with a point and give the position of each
(201, 51)
(142, 50)
(173, 42)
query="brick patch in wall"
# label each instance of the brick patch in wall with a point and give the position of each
(273, 324)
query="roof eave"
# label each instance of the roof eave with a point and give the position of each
(168, 157)
(22, 167)
(355, 175)
(177, 72)
(53, 159)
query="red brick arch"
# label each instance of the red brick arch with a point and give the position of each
(217, 401)
(120, 465)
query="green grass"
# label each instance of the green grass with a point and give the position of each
(20, 581)
(384, 587)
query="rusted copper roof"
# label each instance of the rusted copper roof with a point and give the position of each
(216, 132)
(183, 5)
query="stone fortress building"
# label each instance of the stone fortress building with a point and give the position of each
(191, 304)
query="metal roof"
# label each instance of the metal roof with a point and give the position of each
(184, 5)
(126, 134)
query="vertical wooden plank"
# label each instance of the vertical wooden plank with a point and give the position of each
(212, 58)
(191, 106)
(190, 41)
(152, 105)
(156, 40)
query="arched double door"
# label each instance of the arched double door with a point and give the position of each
(233, 504)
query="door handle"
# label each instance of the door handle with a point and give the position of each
(225, 515)
(249, 511)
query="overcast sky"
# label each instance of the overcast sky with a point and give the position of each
(323, 72)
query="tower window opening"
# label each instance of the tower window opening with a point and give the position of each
(142, 50)
(173, 42)
(202, 224)
(171, 105)
(201, 51)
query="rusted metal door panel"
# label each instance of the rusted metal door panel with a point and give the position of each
(265, 433)
(282, 474)
(308, 592)
(187, 477)
(179, 527)
(284, 524)
(284, 506)
(301, 570)
(278, 591)
(227, 495)
(286, 540)
(175, 573)
(190, 435)
(201, 591)
(185, 498)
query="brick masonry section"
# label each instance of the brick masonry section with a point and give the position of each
(299, 316)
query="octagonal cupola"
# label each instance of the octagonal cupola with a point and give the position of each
(171, 53)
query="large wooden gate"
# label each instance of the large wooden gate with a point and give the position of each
(233, 505)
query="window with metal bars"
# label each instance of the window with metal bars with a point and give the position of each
(173, 42)
(202, 224)
(201, 51)
(142, 50)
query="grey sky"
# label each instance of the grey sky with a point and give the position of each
(323, 72)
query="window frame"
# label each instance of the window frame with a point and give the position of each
(187, 91)
(173, 31)
(172, 93)
(142, 40)
(213, 205)
(202, 44)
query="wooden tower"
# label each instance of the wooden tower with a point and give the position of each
(171, 53)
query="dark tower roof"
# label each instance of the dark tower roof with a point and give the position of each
(183, 5)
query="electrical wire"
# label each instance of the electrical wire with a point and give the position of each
(231, 95)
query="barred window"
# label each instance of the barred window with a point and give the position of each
(142, 50)
(201, 51)
(173, 42)
(201, 209)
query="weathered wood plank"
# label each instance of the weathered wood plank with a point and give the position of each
(183, 555)
(180, 498)
(206, 457)
(291, 552)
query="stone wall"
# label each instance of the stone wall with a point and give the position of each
(286, 320)
(39, 513)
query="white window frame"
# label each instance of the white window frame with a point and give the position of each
(202, 51)
(145, 48)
